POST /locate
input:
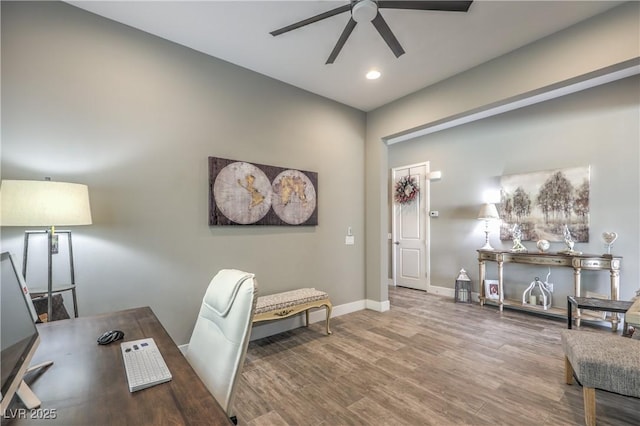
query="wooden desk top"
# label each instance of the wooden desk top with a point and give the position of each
(87, 384)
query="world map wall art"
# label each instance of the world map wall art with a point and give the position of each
(242, 193)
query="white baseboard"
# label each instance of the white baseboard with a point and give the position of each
(433, 289)
(442, 291)
(450, 292)
(378, 306)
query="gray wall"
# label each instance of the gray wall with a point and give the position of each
(561, 58)
(599, 127)
(135, 117)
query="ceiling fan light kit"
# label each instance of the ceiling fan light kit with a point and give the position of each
(364, 11)
(368, 11)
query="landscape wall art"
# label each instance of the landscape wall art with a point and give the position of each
(542, 203)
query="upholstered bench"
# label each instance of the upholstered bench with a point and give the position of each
(601, 361)
(289, 303)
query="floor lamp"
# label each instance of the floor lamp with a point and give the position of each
(29, 203)
(488, 212)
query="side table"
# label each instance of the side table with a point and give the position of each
(595, 304)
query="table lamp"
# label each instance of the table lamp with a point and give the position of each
(488, 212)
(46, 203)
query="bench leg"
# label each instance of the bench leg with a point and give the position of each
(589, 396)
(568, 371)
(307, 315)
(328, 317)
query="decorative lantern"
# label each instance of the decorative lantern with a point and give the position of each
(463, 287)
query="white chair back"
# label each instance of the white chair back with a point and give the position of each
(220, 337)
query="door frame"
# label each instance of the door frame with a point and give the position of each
(426, 193)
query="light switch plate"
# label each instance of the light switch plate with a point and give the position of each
(349, 240)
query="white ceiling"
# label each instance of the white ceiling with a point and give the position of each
(437, 44)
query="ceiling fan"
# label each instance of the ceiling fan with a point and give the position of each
(367, 11)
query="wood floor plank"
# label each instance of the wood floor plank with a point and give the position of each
(454, 387)
(372, 413)
(343, 390)
(426, 361)
(272, 418)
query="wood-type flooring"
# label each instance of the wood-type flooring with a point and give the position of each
(426, 361)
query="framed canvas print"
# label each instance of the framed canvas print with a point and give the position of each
(242, 193)
(543, 203)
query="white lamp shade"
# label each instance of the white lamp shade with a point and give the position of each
(488, 211)
(44, 203)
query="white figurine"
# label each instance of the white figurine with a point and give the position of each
(516, 234)
(568, 240)
(609, 238)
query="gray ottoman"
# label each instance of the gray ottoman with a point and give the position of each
(601, 361)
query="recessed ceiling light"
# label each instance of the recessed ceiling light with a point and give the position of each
(373, 75)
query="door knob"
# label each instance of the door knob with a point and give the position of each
(397, 243)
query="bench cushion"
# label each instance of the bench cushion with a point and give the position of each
(288, 298)
(604, 361)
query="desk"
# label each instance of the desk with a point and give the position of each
(580, 262)
(87, 384)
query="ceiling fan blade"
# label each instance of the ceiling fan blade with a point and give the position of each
(320, 17)
(447, 6)
(387, 35)
(341, 41)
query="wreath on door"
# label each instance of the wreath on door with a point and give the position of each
(406, 190)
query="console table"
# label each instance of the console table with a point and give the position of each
(591, 262)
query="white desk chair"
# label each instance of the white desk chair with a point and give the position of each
(219, 340)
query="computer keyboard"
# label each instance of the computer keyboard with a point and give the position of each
(144, 364)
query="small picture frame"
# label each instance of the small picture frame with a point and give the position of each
(491, 289)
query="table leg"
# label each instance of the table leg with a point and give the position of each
(614, 321)
(576, 284)
(569, 313)
(500, 286)
(482, 272)
(615, 295)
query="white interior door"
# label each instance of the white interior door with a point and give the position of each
(410, 228)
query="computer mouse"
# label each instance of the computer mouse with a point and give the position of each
(110, 336)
